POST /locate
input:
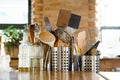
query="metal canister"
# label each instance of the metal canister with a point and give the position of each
(54, 58)
(90, 63)
(60, 58)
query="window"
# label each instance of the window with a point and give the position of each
(109, 22)
(14, 12)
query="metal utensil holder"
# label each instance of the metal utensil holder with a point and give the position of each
(60, 58)
(91, 63)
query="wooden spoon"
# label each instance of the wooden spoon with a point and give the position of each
(47, 38)
(31, 33)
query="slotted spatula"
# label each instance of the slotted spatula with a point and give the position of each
(73, 24)
(74, 21)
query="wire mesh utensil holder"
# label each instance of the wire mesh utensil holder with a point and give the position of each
(60, 58)
(90, 63)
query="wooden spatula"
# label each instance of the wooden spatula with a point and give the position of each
(63, 18)
(81, 41)
(49, 39)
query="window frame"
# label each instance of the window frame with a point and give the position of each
(107, 27)
(19, 26)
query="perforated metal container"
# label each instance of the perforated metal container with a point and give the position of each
(60, 58)
(54, 58)
(65, 58)
(91, 63)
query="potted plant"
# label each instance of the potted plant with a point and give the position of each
(13, 37)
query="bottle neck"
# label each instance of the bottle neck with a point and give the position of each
(25, 37)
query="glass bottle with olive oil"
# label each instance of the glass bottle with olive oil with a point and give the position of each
(24, 52)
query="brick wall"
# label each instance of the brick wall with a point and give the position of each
(50, 8)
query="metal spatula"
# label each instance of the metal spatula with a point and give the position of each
(74, 21)
(47, 23)
(73, 24)
(62, 35)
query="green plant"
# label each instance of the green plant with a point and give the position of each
(13, 36)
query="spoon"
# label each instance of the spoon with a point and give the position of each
(47, 38)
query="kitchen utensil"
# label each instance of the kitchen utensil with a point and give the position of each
(80, 37)
(31, 32)
(47, 38)
(67, 44)
(73, 24)
(37, 30)
(94, 52)
(62, 35)
(63, 18)
(58, 43)
(46, 58)
(81, 40)
(93, 47)
(47, 23)
(74, 21)
(75, 55)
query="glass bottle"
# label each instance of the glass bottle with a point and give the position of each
(37, 51)
(24, 53)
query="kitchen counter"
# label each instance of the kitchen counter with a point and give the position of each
(109, 58)
(110, 75)
(50, 75)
